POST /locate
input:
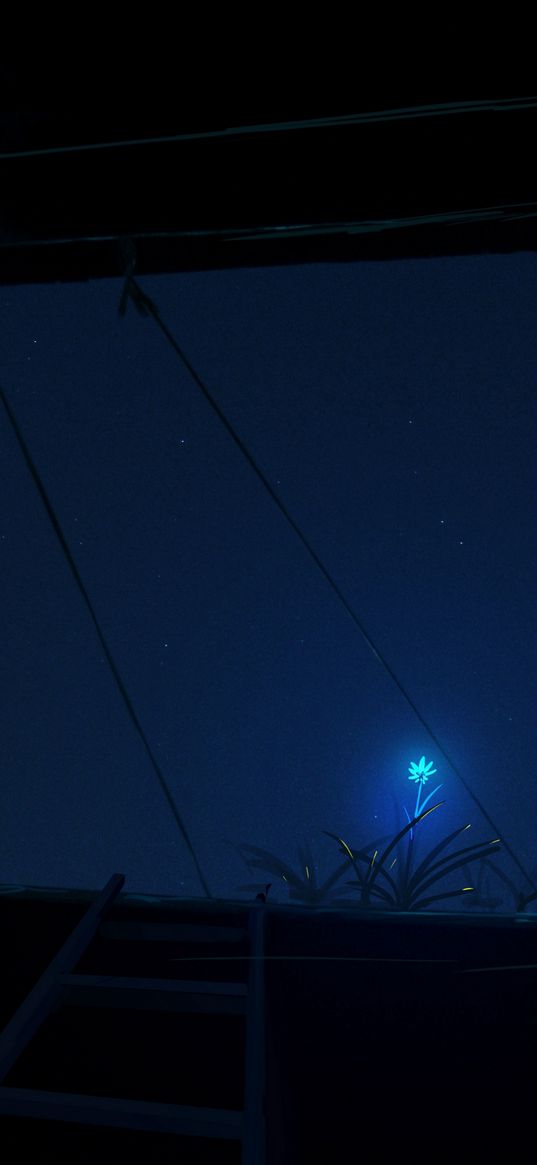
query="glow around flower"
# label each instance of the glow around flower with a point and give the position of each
(421, 772)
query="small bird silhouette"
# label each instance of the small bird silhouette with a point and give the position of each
(263, 897)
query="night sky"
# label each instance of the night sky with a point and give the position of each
(392, 408)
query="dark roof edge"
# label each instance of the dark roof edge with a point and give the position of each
(80, 260)
(50, 895)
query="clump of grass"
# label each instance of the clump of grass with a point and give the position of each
(303, 885)
(395, 880)
(382, 885)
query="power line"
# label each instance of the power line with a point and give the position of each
(406, 113)
(503, 213)
(146, 306)
(109, 657)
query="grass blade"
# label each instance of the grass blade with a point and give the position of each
(402, 832)
(455, 865)
(437, 849)
(422, 902)
(417, 878)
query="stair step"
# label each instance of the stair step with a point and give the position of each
(225, 1124)
(154, 994)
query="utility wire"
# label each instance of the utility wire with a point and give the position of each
(406, 113)
(505, 212)
(111, 662)
(145, 306)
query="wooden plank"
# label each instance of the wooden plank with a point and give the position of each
(154, 994)
(43, 996)
(254, 1142)
(128, 1114)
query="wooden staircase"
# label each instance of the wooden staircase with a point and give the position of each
(59, 987)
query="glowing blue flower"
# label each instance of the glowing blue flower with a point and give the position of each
(421, 772)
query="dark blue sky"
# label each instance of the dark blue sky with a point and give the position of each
(392, 407)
